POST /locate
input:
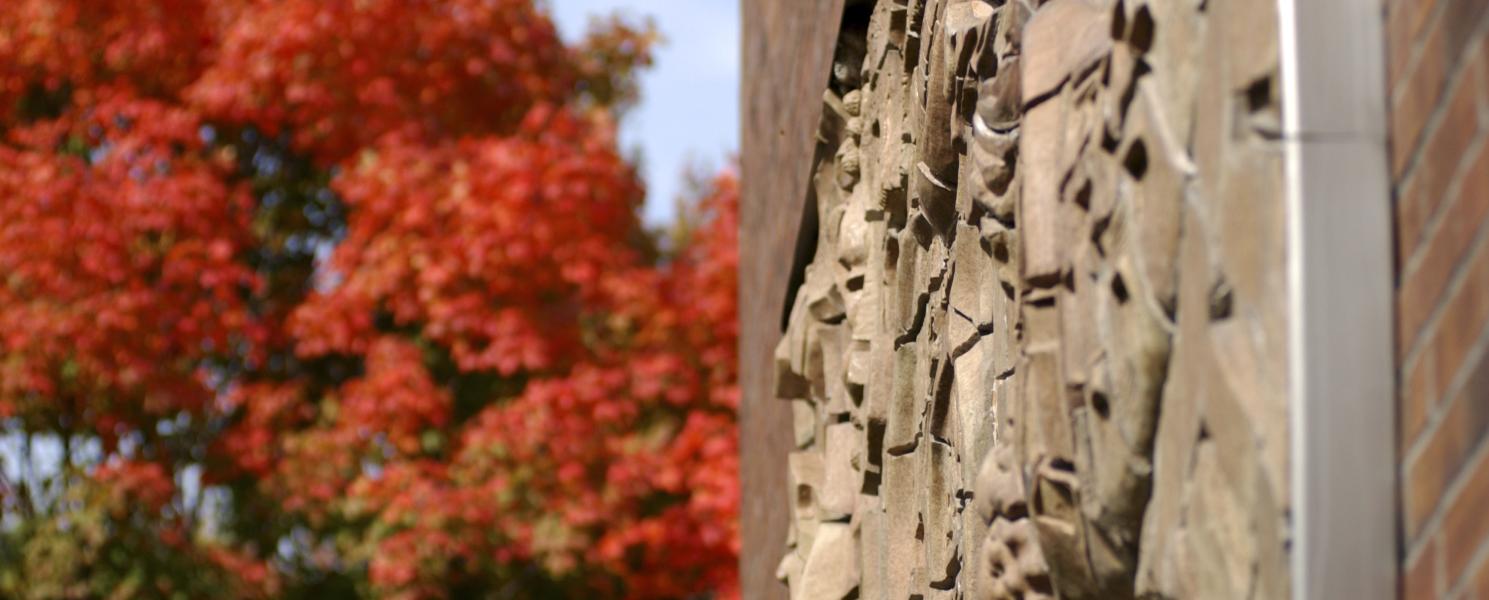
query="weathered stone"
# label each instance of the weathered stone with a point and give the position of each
(834, 348)
(806, 485)
(903, 433)
(841, 479)
(1041, 349)
(972, 406)
(967, 304)
(1011, 564)
(789, 570)
(831, 570)
(1156, 162)
(966, 25)
(941, 483)
(1000, 99)
(1000, 485)
(1042, 133)
(1063, 38)
(804, 422)
(904, 554)
(872, 547)
(1251, 41)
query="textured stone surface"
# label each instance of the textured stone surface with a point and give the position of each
(1040, 348)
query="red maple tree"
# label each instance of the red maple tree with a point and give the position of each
(319, 298)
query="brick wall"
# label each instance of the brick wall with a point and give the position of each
(1438, 73)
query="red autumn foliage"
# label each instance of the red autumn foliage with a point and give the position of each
(47, 47)
(136, 485)
(338, 74)
(120, 245)
(449, 238)
(334, 297)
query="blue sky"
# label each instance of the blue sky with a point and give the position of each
(689, 111)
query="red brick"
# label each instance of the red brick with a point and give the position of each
(1417, 398)
(1465, 528)
(1412, 213)
(1412, 106)
(1423, 286)
(1480, 587)
(1463, 319)
(1449, 446)
(1419, 579)
(1404, 22)
(1419, 91)
(1463, 19)
(1443, 151)
(1415, 99)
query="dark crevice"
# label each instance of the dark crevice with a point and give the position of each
(1136, 161)
(905, 448)
(941, 401)
(1119, 289)
(952, 570)
(1143, 30)
(1101, 405)
(922, 303)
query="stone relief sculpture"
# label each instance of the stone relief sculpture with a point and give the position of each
(1039, 350)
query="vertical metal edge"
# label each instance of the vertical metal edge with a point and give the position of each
(1292, 186)
(1341, 365)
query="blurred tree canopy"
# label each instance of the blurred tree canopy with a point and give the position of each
(343, 298)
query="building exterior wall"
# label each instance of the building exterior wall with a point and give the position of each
(1438, 85)
(1039, 345)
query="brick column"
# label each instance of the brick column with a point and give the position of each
(1438, 73)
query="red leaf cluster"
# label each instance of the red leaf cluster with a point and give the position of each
(134, 485)
(338, 74)
(120, 261)
(490, 245)
(153, 46)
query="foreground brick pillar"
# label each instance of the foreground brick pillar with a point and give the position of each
(1438, 65)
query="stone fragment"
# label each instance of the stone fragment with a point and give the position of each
(804, 422)
(1039, 212)
(941, 483)
(1250, 36)
(840, 480)
(973, 403)
(789, 570)
(853, 103)
(1159, 169)
(1063, 38)
(789, 383)
(1011, 564)
(966, 25)
(904, 554)
(806, 486)
(904, 422)
(1000, 100)
(873, 561)
(831, 570)
(1000, 486)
